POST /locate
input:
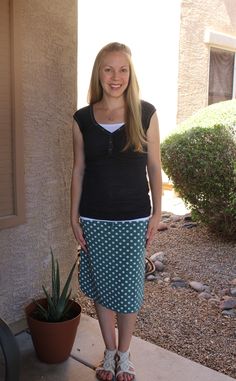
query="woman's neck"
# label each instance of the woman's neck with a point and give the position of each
(112, 111)
(111, 104)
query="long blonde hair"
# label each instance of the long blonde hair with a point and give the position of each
(135, 136)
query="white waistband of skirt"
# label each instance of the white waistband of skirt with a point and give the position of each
(94, 219)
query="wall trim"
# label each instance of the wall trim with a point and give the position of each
(220, 40)
(17, 123)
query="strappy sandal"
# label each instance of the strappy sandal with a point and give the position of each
(149, 266)
(124, 365)
(108, 364)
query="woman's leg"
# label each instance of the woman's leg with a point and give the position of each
(126, 324)
(106, 320)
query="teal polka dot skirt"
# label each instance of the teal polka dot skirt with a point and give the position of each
(112, 271)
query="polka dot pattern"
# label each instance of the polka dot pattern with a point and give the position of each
(112, 271)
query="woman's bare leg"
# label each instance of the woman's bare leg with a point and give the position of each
(106, 320)
(126, 325)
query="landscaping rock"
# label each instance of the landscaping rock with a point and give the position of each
(162, 226)
(176, 218)
(151, 277)
(187, 217)
(158, 256)
(197, 286)
(166, 280)
(205, 295)
(179, 284)
(159, 265)
(228, 304)
(189, 225)
(233, 291)
(230, 313)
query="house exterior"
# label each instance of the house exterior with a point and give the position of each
(38, 72)
(207, 49)
(38, 64)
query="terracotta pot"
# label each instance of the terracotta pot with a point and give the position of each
(52, 341)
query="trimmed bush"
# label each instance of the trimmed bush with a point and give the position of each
(201, 162)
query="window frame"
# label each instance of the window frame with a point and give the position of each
(225, 42)
(234, 69)
(17, 124)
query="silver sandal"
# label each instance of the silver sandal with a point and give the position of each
(108, 364)
(124, 365)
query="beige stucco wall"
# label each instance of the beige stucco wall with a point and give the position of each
(48, 94)
(196, 17)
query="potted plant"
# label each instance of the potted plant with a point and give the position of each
(53, 320)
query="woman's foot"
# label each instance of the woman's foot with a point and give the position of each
(125, 368)
(106, 370)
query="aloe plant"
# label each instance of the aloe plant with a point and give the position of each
(58, 305)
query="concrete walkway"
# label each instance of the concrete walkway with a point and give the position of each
(152, 363)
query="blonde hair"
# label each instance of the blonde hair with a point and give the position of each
(135, 136)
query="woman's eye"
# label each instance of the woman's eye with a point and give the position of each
(124, 70)
(107, 70)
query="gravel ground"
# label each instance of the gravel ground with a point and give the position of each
(177, 319)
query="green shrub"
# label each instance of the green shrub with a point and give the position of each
(218, 113)
(201, 162)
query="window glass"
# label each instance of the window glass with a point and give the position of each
(221, 75)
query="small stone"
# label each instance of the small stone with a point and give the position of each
(228, 304)
(173, 226)
(176, 279)
(151, 277)
(189, 225)
(187, 217)
(176, 218)
(162, 226)
(233, 291)
(166, 280)
(230, 313)
(179, 284)
(158, 256)
(159, 265)
(197, 286)
(233, 282)
(165, 274)
(205, 295)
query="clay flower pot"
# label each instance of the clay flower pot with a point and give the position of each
(53, 341)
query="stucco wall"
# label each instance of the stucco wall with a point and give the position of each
(196, 17)
(48, 59)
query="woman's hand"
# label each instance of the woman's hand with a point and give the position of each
(152, 229)
(78, 233)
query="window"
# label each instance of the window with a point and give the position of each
(221, 75)
(11, 144)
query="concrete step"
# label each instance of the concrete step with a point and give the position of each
(152, 363)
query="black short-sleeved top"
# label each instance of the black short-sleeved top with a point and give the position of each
(115, 185)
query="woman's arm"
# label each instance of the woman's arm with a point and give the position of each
(154, 174)
(76, 184)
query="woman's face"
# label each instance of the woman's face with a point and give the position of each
(114, 74)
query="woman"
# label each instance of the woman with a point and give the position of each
(116, 140)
